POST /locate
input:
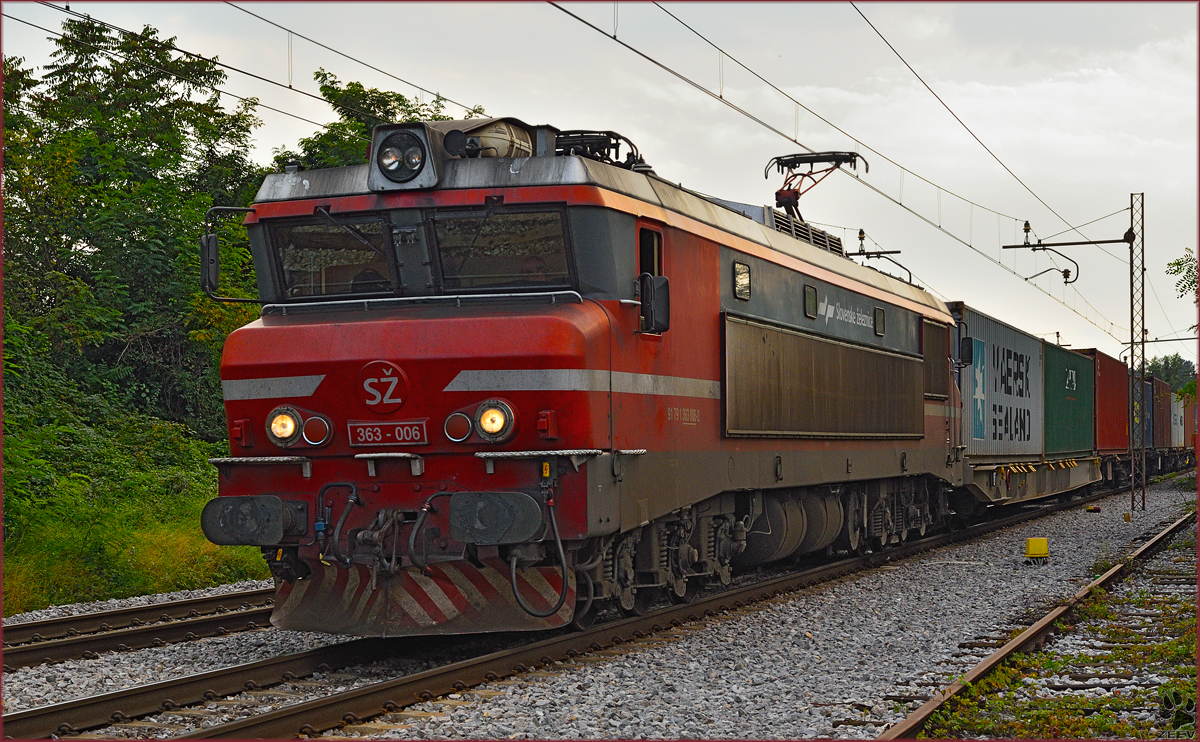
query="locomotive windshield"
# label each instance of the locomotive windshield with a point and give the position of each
(333, 258)
(501, 249)
(421, 253)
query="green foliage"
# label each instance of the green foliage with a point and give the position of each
(110, 163)
(1173, 369)
(346, 142)
(112, 404)
(1185, 269)
(111, 160)
(101, 502)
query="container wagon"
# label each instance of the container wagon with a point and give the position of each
(1112, 415)
(1005, 401)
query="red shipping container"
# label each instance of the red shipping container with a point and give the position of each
(1162, 413)
(1112, 403)
(1189, 425)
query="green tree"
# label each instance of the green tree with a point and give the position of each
(359, 109)
(1173, 369)
(1185, 269)
(111, 160)
(112, 155)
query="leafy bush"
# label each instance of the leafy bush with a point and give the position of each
(101, 502)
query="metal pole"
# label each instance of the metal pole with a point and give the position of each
(1137, 354)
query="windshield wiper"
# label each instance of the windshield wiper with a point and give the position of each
(357, 234)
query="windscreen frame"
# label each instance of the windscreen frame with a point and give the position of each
(354, 219)
(427, 225)
(430, 217)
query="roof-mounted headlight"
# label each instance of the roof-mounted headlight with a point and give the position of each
(404, 156)
(400, 156)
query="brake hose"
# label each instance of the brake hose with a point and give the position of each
(412, 537)
(562, 559)
(337, 532)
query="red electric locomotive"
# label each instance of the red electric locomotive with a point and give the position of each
(503, 377)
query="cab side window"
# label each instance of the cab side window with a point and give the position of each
(649, 252)
(650, 261)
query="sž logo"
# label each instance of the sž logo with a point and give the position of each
(382, 386)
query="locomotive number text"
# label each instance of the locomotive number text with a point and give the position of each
(685, 415)
(397, 433)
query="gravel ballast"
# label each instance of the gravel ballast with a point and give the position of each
(819, 664)
(97, 606)
(822, 663)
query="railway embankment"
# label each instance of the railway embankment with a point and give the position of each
(1121, 665)
(843, 658)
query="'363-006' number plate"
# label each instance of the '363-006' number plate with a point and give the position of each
(391, 433)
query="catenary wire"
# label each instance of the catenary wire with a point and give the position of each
(1106, 216)
(195, 83)
(353, 59)
(725, 53)
(193, 55)
(752, 117)
(627, 46)
(960, 121)
(826, 121)
(1070, 227)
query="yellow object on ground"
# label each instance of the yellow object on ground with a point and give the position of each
(1036, 548)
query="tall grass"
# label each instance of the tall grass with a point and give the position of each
(105, 503)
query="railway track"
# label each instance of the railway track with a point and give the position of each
(1035, 636)
(86, 635)
(393, 695)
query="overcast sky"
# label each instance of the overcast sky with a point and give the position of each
(1084, 102)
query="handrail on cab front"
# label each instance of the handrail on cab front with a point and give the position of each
(383, 302)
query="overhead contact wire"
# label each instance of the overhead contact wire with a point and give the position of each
(176, 75)
(1070, 227)
(352, 59)
(218, 63)
(826, 121)
(961, 122)
(771, 128)
(904, 169)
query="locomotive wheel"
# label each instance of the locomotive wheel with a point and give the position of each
(691, 589)
(883, 540)
(852, 538)
(640, 604)
(922, 523)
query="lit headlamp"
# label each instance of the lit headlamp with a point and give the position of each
(284, 426)
(494, 421)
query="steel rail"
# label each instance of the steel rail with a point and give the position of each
(1032, 637)
(313, 717)
(97, 711)
(88, 646)
(86, 623)
(72, 717)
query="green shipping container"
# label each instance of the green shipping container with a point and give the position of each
(1070, 383)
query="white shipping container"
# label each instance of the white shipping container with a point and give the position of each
(1176, 422)
(1003, 399)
